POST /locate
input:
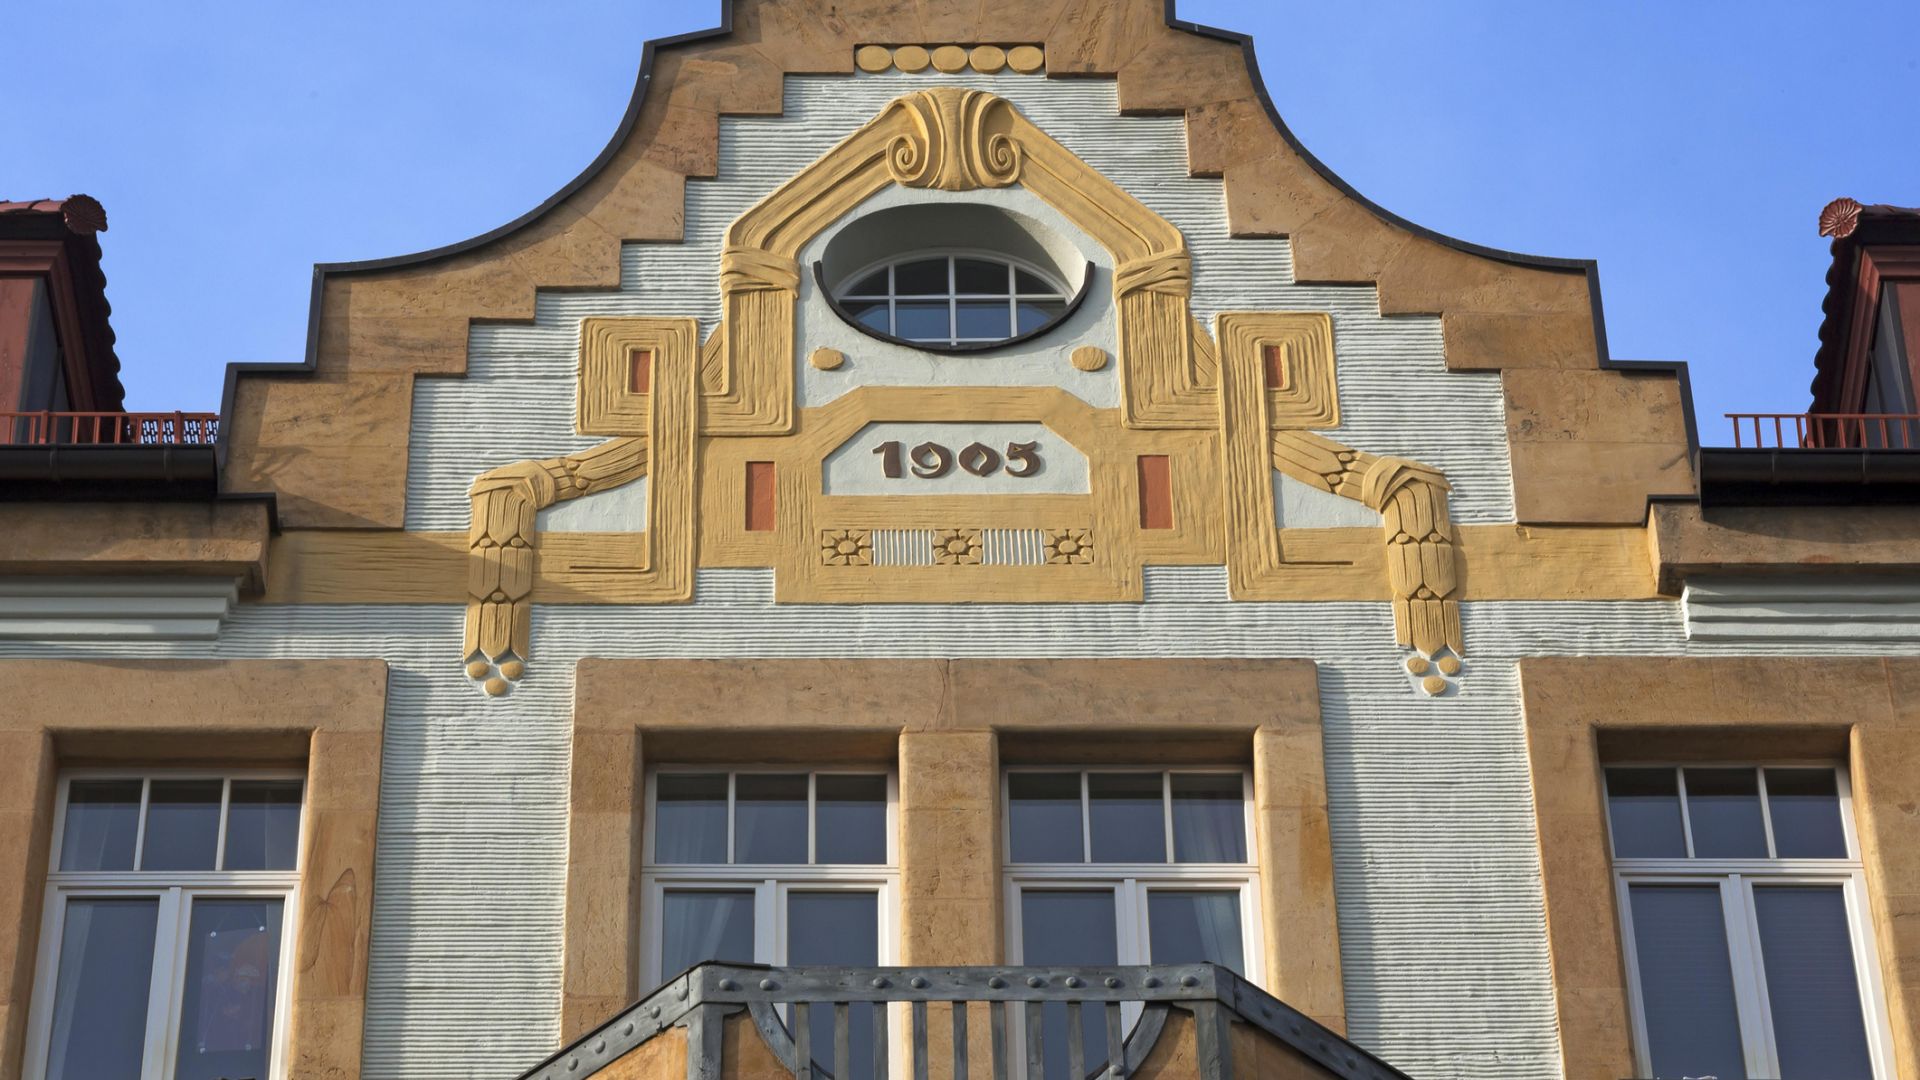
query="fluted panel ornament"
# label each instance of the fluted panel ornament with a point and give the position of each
(1422, 561)
(501, 553)
(954, 140)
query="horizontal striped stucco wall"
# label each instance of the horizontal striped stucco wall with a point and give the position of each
(1437, 877)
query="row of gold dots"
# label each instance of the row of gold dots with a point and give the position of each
(951, 59)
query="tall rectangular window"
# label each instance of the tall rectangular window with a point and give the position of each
(1128, 866)
(772, 866)
(164, 942)
(1744, 908)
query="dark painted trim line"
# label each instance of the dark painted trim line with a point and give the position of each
(967, 348)
(1796, 477)
(66, 473)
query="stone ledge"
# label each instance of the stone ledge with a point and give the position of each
(1688, 540)
(201, 539)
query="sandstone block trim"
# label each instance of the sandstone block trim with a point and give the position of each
(1584, 711)
(947, 725)
(327, 714)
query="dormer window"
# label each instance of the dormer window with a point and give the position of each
(901, 275)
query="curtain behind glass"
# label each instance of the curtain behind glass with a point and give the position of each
(697, 925)
(690, 818)
(1686, 981)
(1070, 927)
(1193, 926)
(100, 996)
(1209, 818)
(1812, 988)
(836, 927)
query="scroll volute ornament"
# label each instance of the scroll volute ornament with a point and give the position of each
(954, 140)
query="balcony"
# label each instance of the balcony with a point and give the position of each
(1814, 459)
(108, 455)
(109, 428)
(731, 1022)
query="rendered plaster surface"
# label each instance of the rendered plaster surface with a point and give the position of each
(1437, 874)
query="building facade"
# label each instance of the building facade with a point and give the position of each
(966, 492)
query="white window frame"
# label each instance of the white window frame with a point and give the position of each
(1061, 294)
(1737, 879)
(1132, 882)
(175, 891)
(769, 882)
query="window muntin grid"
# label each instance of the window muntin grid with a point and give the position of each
(953, 299)
(1105, 817)
(1708, 849)
(189, 874)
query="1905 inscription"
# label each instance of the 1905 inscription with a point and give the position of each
(932, 460)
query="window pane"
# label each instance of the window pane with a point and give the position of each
(263, 825)
(1812, 988)
(836, 928)
(1723, 806)
(1644, 807)
(874, 284)
(1070, 927)
(1029, 284)
(1806, 814)
(1209, 819)
(920, 321)
(690, 818)
(1686, 981)
(770, 818)
(103, 818)
(1033, 314)
(697, 925)
(1128, 817)
(980, 276)
(1195, 926)
(922, 277)
(850, 819)
(226, 1008)
(183, 825)
(1044, 817)
(100, 997)
(984, 319)
(871, 314)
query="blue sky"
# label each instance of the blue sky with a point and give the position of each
(1687, 146)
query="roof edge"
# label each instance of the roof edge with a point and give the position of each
(643, 83)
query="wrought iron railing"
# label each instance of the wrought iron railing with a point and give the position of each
(779, 1003)
(1826, 431)
(109, 428)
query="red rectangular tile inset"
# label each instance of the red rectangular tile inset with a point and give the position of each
(760, 496)
(640, 371)
(1276, 362)
(1156, 492)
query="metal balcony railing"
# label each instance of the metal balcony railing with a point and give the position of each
(1826, 431)
(1023, 1007)
(109, 428)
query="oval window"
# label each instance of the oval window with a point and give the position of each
(947, 298)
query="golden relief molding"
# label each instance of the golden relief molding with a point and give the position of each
(502, 536)
(950, 59)
(1261, 415)
(608, 403)
(1220, 415)
(953, 139)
